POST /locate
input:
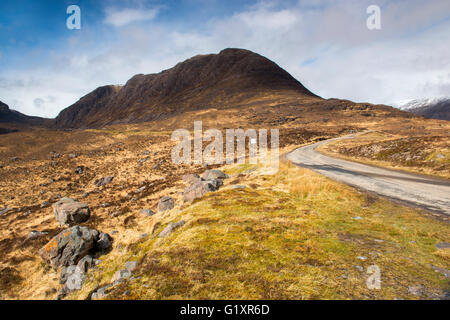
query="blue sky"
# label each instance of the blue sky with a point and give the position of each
(45, 67)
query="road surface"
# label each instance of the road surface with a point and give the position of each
(421, 191)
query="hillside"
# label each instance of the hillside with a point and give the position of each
(227, 79)
(11, 120)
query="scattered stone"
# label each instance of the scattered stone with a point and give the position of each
(214, 174)
(141, 189)
(357, 218)
(200, 188)
(85, 263)
(45, 204)
(72, 155)
(238, 186)
(104, 181)
(440, 156)
(143, 160)
(416, 290)
(362, 258)
(34, 234)
(359, 268)
(445, 272)
(120, 276)
(155, 166)
(70, 246)
(147, 212)
(70, 212)
(100, 293)
(131, 265)
(54, 154)
(104, 242)
(442, 245)
(166, 203)
(146, 153)
(170, 228)
(14, 159)
(191, 178)
(144, 235)
(5, 210)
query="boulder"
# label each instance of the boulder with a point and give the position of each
(200, 188)
(166, 203)
(214, 174)
(171, 228)
(191, 178)
(70, 212)
(104, 243)
(71, 245)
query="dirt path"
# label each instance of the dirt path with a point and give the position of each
(425, 192)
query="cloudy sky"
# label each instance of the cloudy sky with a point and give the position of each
(325, 44)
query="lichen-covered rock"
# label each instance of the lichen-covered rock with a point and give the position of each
(166, 203)
(191, 178)
(70, 246)
(70, 212)
(171, 228)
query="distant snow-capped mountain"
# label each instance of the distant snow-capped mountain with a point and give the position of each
(434, 108)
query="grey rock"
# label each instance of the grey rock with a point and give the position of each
(85, 263)
(131, 265)
(70, 246)
(5, 210)
(147, 212)
(72, 155)
(442, 245)
(359, 268)
(79, 170)
(214, 174)
(34, 234)
(45, 204)
(146, 153)
(416, 290)
(100, 293)
(238, 186)
(170, 228)
(70, 212)
(120, 276)
(199, 188)
(141, 189)
(104, 243)
(191, 178)
(445, 272)
(357, 218)
(166, 203)
(104, 181)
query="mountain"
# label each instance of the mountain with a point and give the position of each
(228, 79)
(434, 108)
(11, 120)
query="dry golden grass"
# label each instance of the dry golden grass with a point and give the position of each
(276, 240)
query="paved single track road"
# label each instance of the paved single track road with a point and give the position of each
(421, 191)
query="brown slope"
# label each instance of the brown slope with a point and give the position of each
(227, 79)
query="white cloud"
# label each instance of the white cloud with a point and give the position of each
(326, 46)
(123, 17)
